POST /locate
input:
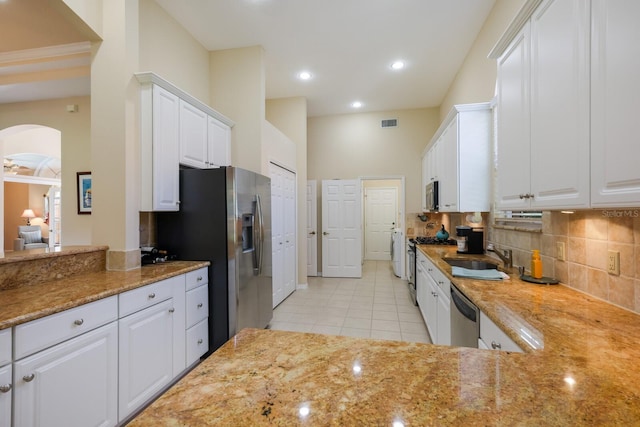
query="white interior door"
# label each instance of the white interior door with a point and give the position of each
(380, 216)
(283, 225)
(312, 228)
(341, 228)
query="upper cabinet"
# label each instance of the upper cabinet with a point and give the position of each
(176, 129)
(615, 103)
(566, 94)
(459, 158)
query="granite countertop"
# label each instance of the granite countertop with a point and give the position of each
(263, 377)
(27, 303)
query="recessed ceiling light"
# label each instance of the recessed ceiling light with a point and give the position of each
(397, 65)
(356, 104)
(304, 75)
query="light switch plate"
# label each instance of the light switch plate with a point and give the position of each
(613, 262)
(560, 251)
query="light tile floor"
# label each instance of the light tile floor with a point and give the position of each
(375, 306)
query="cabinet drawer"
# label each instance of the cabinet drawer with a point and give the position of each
(42, 333)
(146, 296)
(197, 341)
(494, 337)
(5, 346)
(197, 305)
(197, 277)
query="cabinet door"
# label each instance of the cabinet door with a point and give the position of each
(513, 170)
(193, 136)
(560, 105)
(6, 392)
(432, 310)
(425, 179)
(70, 384)
(145, 355)
(165, 174)
(219, 143)
(448, 150)
(615, 102)
(444, 318)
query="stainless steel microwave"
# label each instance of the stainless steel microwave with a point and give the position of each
(432, 203)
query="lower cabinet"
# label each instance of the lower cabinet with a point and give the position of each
(70, 384)
(493, 338)
(432, 293)
(6, 392)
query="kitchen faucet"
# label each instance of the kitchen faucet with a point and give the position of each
(506, 256)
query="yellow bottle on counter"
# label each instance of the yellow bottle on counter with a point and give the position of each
(536, 264)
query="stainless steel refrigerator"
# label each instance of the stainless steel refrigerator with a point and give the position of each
(225, 218)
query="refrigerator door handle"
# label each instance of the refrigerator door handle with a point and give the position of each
(259, 244)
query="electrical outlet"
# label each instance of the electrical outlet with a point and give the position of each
(560, 253)
(613, 262)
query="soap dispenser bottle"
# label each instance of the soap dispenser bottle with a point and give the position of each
(536, 265)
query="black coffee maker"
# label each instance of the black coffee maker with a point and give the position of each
(470, 239)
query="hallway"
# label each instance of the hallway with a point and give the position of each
(375, 306)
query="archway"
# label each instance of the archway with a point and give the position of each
(31, 180)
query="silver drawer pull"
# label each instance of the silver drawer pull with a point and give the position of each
(200, 305)
(29, 378)
(78, 322)
(171, 310)
(7, 388)
(152, 295)
(495, 345)
(200, 341)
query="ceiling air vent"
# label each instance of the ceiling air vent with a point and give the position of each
(389, 123)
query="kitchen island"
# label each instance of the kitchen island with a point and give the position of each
(581, 371)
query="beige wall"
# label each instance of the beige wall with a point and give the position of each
(475, 80)
(238, 91)
(353, 145)
(167, 49)
(289, 115)
(75, 131)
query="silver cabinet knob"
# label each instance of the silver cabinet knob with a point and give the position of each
(495, 345)
(29, 378)
(200, 305)
(152, 295)
(199, 279)
(313, 233)
(171, 310)
(5, 388)
(78, 322)
(200, 341)
(325, 233)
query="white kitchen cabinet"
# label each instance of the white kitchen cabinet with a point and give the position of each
(152, 341)
(70, 384)
(543, 110)
(432, 293)
(175, 128)
(492, 337)
(6, 393)
(460, 159)
(219, 143)
(197, 333)
(159, 133)
(615, 102)
(424, 179)
(193, 136)
(6, 383)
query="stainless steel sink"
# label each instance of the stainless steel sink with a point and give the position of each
(471, 264)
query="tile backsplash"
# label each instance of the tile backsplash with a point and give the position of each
(588, 236)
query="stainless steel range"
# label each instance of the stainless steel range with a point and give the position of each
(411, 250)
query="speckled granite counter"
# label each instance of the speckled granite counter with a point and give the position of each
(27, 303)
(264, 377)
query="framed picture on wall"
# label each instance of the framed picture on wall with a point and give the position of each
(84, 193)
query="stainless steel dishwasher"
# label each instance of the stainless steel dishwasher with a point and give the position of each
(465, 320)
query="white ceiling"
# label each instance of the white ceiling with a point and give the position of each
(348, 46)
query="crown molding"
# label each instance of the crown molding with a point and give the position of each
(514, 28)
(45, 52)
